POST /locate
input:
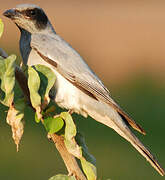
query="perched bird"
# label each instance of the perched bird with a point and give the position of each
(77, 86)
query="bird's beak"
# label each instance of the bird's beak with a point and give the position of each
(10, 13)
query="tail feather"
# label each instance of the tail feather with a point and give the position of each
(152, 160)
(112, 119)
(146, 153)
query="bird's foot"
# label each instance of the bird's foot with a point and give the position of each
(70, 111)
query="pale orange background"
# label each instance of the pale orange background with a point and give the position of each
(117, 38)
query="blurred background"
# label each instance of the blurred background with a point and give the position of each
(124, 43)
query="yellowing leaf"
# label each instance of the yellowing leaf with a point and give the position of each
(70, 133)
(40, 80)
(62, 177)
(34, 85)
(14, 119)
(37, 120)
(89, 169)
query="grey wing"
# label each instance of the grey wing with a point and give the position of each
(57, 52)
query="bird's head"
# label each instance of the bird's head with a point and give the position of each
(28, 17)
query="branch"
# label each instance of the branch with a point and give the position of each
(69, 159)
(22, 81)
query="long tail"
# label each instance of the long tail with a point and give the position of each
(109, 116)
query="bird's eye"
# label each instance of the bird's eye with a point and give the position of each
(31, 13)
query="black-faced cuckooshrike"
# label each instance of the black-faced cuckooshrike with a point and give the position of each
(77, 86)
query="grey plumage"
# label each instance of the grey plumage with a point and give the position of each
(77, 86)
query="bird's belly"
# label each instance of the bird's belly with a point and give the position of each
(67, 95)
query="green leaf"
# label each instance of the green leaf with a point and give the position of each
(40, 80)
(47, 78)
(53, 125)
(37, 120)
(34, 85)
(62, 177)
(1, 27)
(70, 133)
(89, 169)
(7, 80)
(70, 129)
